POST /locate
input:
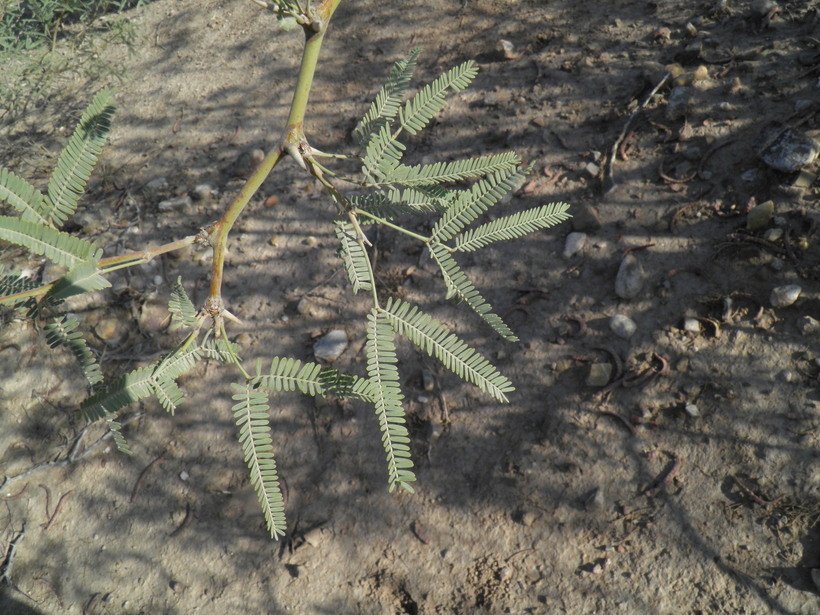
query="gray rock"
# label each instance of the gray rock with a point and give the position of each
(331, 345)
(575, 243)
(808, 325)
(205, 193)
(182, 204)
(585, 219)
(678, 104)
(623, 326)
(784, 296)
(760, 216)
(156, 185)
(691, 325)
(692, 409)
(630, 278)
(599, 374)
(790, 151)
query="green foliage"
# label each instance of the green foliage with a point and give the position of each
(452, 194)
(434, 339)
(62, 331)
(354, 256)
(511, 227)
(381, 367)
(78, 158)
(388, 100)
(251, 415)
(59, 247)
(183, 312)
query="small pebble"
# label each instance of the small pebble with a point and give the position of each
(623, 326)
(692, 410)
(691, 325)
(760, 217)
(180, 203)
(808, 325)
(592, 169)
(305, 306)
(790, 376)
(773, 234)
(678, 104)
(184, 475)
(507, 50)
(585, 219)
(109, 331)
(205, 193)
(595, 499)
(784, 296)
(528, 518)
(331, 345)
(428, 380)
(599, 374)
(574, 244)
(156, 185)
(630, 278)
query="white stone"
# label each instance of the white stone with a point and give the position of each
(331, 345)
(575, 243)
(784, 296)
(623, 326)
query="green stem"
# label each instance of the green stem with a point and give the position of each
(291, 143)
(144, 256)
(223, 227)
(393, 226)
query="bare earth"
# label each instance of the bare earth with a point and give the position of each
(694, 488)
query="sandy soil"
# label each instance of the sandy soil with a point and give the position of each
(695, 490)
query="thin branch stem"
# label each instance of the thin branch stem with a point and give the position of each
(421, 238)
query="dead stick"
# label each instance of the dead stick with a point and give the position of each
(5, 566)
(138, 484)
(609, 170)
(189, 516)
(57, 509)
(664, 479)
(48, 500)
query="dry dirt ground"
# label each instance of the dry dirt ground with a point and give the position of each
(694, 488)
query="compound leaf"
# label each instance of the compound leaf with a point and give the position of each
(251, 415)
(458, 284)
(82, 278)
(78, 159)
(383, 154)
(183, 312)
(432, 337)
(457, 170)
(473, 202)
(62, 331)
(57, 246)
(510, 227)
(357, 263)
(24, 197)
(388, 100)
(131, 387)
(381, 367)
(419, 110)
